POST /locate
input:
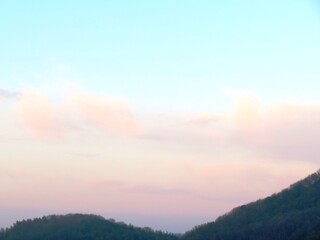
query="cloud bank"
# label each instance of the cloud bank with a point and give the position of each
(283, 130)
(92, 152)
(47, 118)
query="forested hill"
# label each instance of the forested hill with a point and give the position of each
(79, 227)
(293, 214)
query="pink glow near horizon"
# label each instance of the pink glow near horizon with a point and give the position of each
(197, 165)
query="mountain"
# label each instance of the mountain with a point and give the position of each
(292, 214)
(79, 227)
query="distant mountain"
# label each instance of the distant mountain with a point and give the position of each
(79, 227)
(292, 214)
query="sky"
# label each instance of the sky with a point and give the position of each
(158, 113)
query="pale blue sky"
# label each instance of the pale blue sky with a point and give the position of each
(164, 54)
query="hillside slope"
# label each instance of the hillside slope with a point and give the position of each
(79, 227)
(292, 214)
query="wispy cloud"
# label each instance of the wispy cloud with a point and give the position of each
(144, 189)
(86, 154)
(204, 119)
(283, 130)
(158, 190)
(5, 94)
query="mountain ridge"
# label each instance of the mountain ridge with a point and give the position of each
(79, 227)
(291, 214)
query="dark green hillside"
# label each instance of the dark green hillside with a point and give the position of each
(79, 227)
(293, 214)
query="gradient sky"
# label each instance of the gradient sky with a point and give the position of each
(160, 113)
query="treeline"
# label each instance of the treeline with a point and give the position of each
(293, 214)
(79, 227)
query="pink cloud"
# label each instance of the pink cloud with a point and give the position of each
(49, 119)
(38, 115)
(112, 115)
(283, 130)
